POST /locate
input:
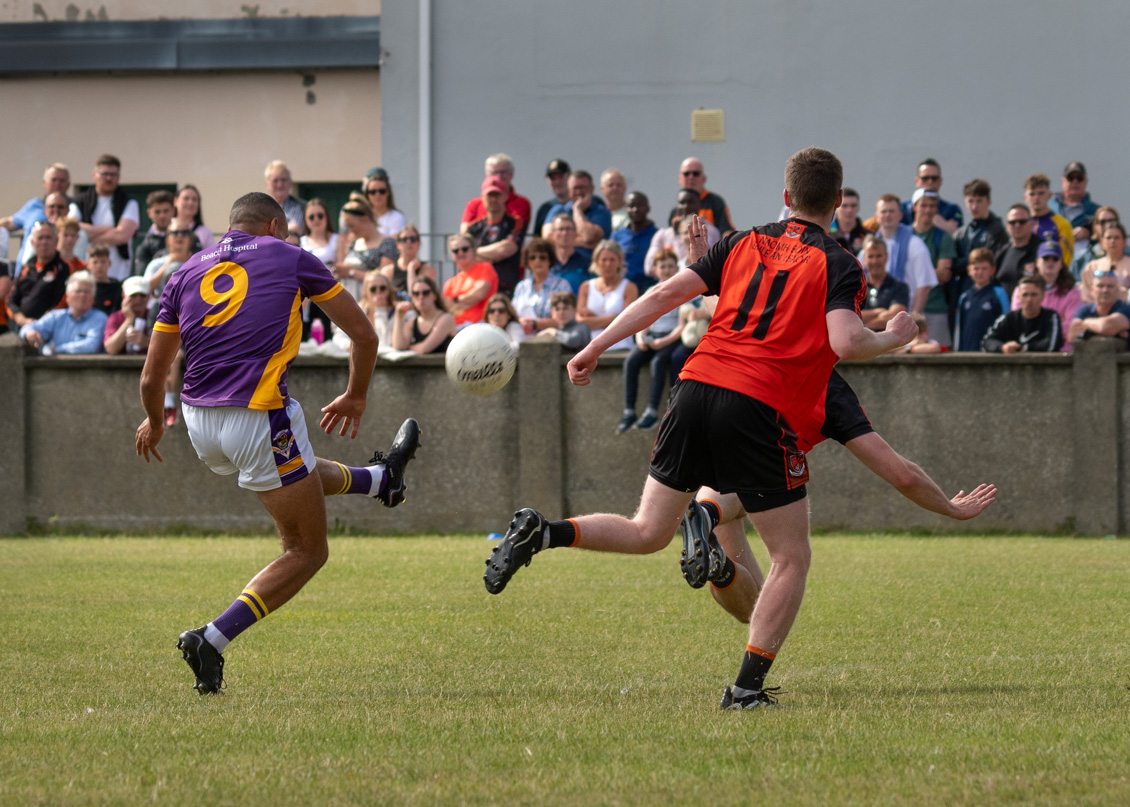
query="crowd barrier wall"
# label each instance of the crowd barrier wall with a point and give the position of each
(1049, 431)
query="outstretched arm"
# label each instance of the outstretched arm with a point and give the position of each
(915, 484)
(348, 407)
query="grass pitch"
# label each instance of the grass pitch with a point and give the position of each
(921, 671)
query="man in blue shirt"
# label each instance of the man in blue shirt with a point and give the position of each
(75, 329)
(1106, 316)
(929, 177)
(568, 262)
(56, 179)
(590, 215)
(635, 239)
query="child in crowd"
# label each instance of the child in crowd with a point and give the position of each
(922, 343)
(655, 346)
(69, 233)
(107, 290)
(571, 334)
(979, 306)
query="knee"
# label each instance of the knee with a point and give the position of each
(314, 557)
(652, 537)
(794, 559)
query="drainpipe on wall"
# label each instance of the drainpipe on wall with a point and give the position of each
(425, 117)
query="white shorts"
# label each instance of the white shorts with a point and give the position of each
(268, 449)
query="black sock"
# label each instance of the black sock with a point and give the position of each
(728, 574)
(711, 510)
(755, 665)
(562, 533)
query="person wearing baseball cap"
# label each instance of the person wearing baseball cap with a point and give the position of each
(498, 235)
(122, 332)
(557, 177)
(502, 167)
(1074, 204)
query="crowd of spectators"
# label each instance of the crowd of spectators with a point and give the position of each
(1055, 269)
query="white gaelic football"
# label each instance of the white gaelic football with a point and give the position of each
(480, 359)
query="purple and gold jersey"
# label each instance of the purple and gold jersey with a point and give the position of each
(236, 307)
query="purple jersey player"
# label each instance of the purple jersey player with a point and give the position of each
(236, 308)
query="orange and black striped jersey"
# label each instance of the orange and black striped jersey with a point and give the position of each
(768, 338)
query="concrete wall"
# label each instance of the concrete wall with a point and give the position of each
(1050, 431)
(996, 90)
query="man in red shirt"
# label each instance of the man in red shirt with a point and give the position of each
(788, 308)
(501, 166)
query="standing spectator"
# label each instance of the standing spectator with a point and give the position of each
(56, 179)
(378, 192)
(58, 211)
(159, 206)
(69, 234)
(566, 330)
(42, 283)
(635, 239)
(908, 259)
(1074, 204)
(589, 213)
(1108, 315)
(76, 329)
(320, 241)
(533, 293)
(672, 237)
(408, 265)
(614, 187)
(501, 314)
(178, 249)
(1061, 293)
(1037, 195)
(569, 264)
(423, 324)
(929, 177)
(187, 203)
(120, 334)
(1114, 261)
(107, 290)
(280, 187)
(1018, 258)
(607, 294)
(847, 227)
(465, 294)
(942, 253)
(885, 295)
(497, 235)
(557, 177)
(655, 345)
(979, 306)
(501, 167)
(1028, 329)
(711, 206)
(362, 248)
(1093, 249)
(107, 214)
(984, 228)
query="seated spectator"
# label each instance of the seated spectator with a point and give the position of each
(655, 345)
(1018, 257)
(178, 249)
(694, 316)
(408, 265)
(635, 239)
(56, 179)
(588, 212)
(108, 215)
(672, 237)
(187, 203)
(557, 177)
(1061, 293)
(320, 241)
(1028, 329)
(497, 235)
(1074, 204)
(984, 228)
(42, 283)
(1093, 248)
(378, 301)
(1037, 195)
(423, 324)
(126, 330)
(280, 187)
(531, 296)
(942, 251)
(922, 342)
(378, 192)
(160, 209)
(709, 205)
(569, 264)
(107, 290)
(362, 248)
(501, 314)
(885, 295)
(614, 187)
(607, 294)
(69, 234)
(1108, 315)
(1114, 260)
(572, 335)
(847, 227)
(76, 329)
(465, 294)
(500, 166)
(908, 259)
(979, 306)
(929, 178)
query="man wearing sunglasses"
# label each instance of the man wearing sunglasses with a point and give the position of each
(1018, 257)
(1074, 202)
(711, 206)
(929, 177)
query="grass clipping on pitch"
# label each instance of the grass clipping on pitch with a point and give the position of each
(921, 671)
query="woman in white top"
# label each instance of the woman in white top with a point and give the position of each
(378, 300)
(607, 294)
(187, 203)
(378, 192)
(320, 239)
(501, 314)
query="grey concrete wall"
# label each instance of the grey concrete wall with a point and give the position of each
(1049, 431)
(994, 90)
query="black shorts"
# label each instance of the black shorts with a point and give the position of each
(730, 442)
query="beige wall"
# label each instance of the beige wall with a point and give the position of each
(61, 10)
(215, 131)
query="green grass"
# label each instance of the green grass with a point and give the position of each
(921, 671)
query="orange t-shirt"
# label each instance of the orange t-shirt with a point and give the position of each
(464, 282)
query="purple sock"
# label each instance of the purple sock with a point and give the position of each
(366, 481)
(248, 609)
